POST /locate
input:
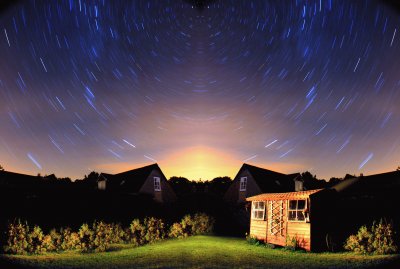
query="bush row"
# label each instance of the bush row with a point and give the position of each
(23, 239)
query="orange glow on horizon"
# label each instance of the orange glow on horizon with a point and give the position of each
(193, 163)
(200, 162)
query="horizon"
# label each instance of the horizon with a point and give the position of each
(112, 86)
(201, 179)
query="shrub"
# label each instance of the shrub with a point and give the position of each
(154, 230)
(118, 235)
(102, 236)
(86, 238)
(378, 239)
(292, 243)
(187, 224)
(17, 238)
(360, 242)
(48, 244)
(35, 241)
(70, 240)
(176, 231)
(384, 242)
(252, 240)
(136, 233)
(202, 224)
(52, 241)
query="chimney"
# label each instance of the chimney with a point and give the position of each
(298, 183)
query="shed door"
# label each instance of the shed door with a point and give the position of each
(277, 225)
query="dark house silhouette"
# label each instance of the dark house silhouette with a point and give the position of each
(252, 180)
(148, 180)
(364, 199)
(18, 181)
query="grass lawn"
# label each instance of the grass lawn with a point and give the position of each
(199, 252)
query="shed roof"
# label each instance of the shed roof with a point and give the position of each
(283, 195)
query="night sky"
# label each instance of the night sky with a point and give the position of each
(113, 85)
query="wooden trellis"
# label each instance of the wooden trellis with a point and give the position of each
(276, 220)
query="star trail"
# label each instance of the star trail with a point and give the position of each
(286, 85)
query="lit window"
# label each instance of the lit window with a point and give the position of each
(297, 210)
(157, 184)
(243, 183)
(258, 211)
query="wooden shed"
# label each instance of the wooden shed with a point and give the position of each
(279, 217)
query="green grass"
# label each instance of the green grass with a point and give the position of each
(199, 252)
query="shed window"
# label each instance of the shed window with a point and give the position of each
(258, 212)
(243, 183)
(297, 210)
(157, 184)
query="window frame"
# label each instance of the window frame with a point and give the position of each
(157, 183)
(297, 210)
(243, 182)
(255, 209)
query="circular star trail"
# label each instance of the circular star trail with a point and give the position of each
(287, 85)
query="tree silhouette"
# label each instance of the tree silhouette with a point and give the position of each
(348, 176)
(1, 168)
(92, 177)
(220, 185)
(50, 178)
(180, 185)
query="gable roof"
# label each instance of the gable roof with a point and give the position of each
(270, 181)
(283, 196)
(389, 181)
(131, 180)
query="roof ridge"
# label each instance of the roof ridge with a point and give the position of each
(257, 167)
(139, 168)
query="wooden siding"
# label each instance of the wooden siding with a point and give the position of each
(258, 229)
(301, 231)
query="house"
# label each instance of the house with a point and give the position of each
(18, 181)
(366, 198)
(284, 218)
(148, 180)
(252, 180)
(363, 200)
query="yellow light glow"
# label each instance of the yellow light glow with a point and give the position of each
(200, 162)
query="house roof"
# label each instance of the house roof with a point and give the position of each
(389, 181)
(11, 178)
(131, 180)
(104, 176)
(270, 181)
(283, 195)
